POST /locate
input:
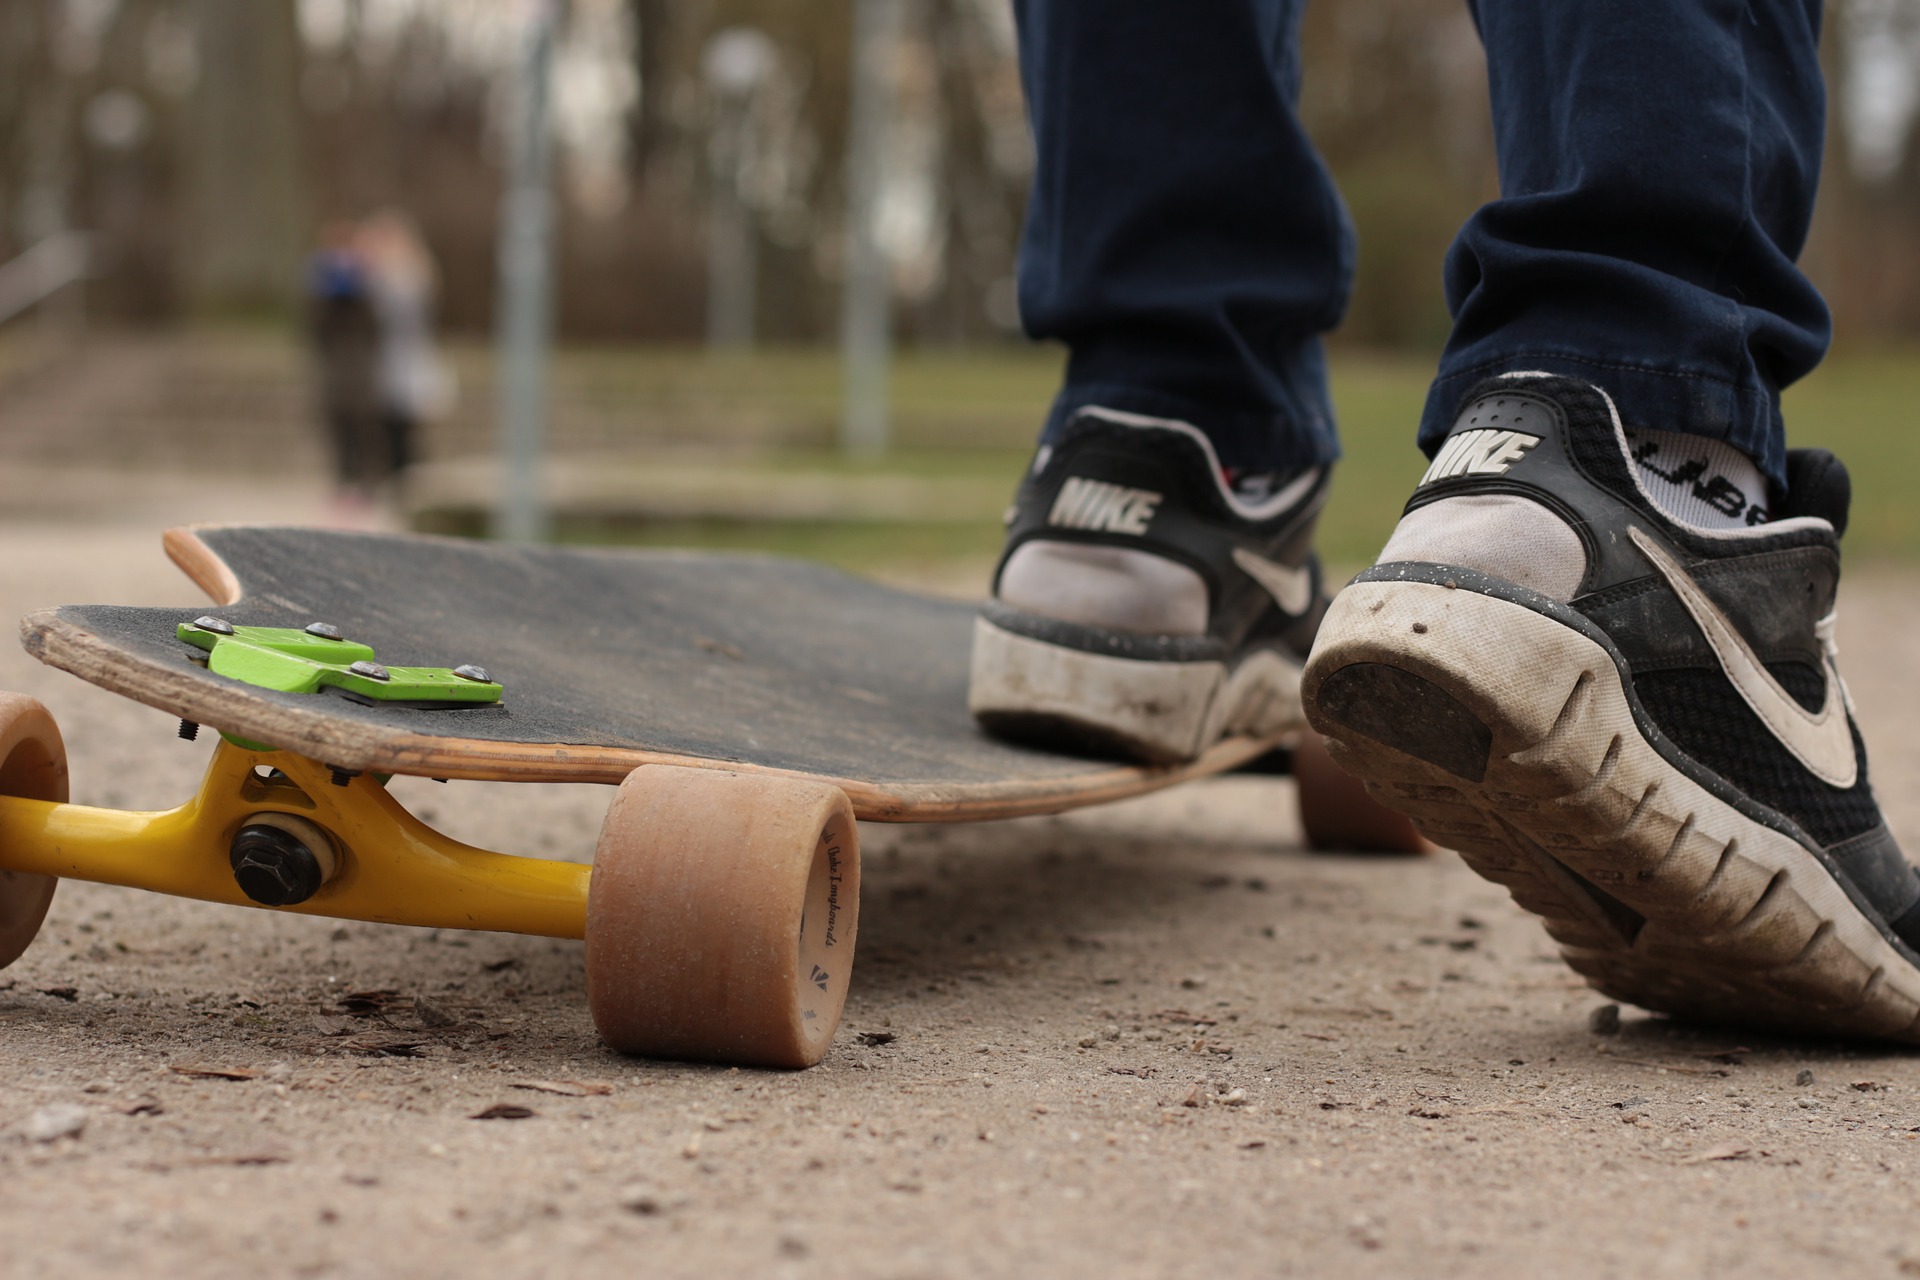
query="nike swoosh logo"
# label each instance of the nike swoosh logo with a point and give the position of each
(1291, 586)
(1821, 740)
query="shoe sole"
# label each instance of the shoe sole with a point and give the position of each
(1509, 736)
(1157, 712)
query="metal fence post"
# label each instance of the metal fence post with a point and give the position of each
(524, 328)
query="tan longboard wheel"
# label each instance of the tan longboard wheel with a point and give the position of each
(33, 764)
(1337, 814)
(721, 917)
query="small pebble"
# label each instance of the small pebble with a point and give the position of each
(1605, 1021)
(639, 1199)
(1805, 1077)
(50, 1124)
(1237, 1098)
(432, 1014)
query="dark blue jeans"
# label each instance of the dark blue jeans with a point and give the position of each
(1658, 161)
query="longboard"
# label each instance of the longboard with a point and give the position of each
(607, 660)
(749, 708)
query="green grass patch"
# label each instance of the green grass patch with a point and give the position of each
(950, 402)
(1378, 399)
(1862, 407)
(971, 415)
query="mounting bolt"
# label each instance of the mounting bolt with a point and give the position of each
(341, 777)
(189, 731)
(371, 670)
(467, 671)
(324, 630)
(279, 860)
(218, 626)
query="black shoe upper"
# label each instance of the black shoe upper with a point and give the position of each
(1158, 488)
(1556, 441)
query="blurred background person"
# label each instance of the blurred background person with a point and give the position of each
(413, 383)
(345, 332)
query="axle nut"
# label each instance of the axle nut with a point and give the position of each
(280, 860)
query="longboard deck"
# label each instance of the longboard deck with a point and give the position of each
(610, 660)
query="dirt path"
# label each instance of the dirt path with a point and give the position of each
(1155, 1040)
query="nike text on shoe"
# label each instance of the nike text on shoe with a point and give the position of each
(1634, 724)
(1144, 606)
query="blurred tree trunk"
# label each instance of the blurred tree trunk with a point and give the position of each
(1861, 251)
(36, 110)
(245, 181)
(652, 130)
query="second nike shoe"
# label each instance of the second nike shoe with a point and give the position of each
(1147, 603)
(1634, 724)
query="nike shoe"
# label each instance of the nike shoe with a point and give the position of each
(1635, 725)
(1148, 604)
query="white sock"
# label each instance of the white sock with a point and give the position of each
(1705, 483)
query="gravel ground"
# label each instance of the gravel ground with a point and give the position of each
(1152, 1040)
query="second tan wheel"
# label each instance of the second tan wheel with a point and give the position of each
(1337, 814)
(33, 764)
(721, 917)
